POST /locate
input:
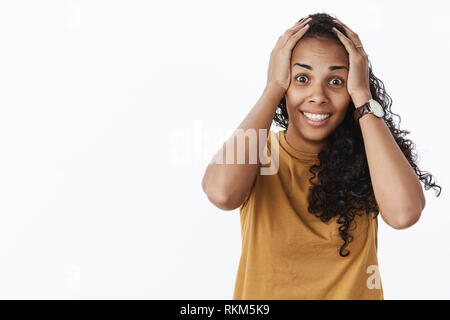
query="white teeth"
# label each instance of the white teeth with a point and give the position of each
(316, 117)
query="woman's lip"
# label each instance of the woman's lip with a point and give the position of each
(315, 123)
(316, 112)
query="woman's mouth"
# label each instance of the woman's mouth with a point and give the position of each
(316, 119)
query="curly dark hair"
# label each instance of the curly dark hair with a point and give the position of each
(344, 186)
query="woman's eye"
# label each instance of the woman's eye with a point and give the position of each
(301, 77)
(334, 81)
(338, 82)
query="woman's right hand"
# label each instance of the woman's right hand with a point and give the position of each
(279, 72)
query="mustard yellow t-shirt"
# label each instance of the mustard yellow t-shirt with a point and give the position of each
(289, 253)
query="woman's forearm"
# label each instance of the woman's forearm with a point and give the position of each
(397, 188)
(226, 184)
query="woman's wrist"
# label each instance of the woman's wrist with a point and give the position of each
(275, 88)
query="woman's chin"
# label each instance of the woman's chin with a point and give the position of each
(313, 134)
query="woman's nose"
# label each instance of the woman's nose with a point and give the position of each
(318, 94)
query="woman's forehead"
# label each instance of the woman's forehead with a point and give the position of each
(315, 50)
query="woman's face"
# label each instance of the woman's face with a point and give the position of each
(317, 86)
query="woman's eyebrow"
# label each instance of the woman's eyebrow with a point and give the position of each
(331, 68)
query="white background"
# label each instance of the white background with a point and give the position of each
(110, 111)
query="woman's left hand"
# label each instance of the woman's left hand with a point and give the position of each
(358, 85)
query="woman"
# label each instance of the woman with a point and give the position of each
(309, 231)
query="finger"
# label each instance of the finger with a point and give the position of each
(343, 24)
(299, 24)
(302, 19)
(348, 44)
(295, 37)
(291, 31)
(352, 35)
